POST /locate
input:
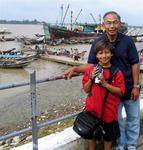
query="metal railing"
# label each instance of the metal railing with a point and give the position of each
(35, 126)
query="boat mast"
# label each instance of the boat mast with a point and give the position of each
(93, 18)
(61, 13)
(77, 16)
(71, 19)
(65, 14)
(100, 19)
(100, 25)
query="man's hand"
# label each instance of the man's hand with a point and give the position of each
(74, 71)
(70, 73)
(135, 93)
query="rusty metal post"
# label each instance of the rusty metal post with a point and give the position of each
(34, 110)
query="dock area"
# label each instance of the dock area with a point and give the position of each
(63, 60)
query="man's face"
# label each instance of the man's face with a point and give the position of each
(111, 24)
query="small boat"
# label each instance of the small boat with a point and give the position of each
(18, 55)
(4, 63)
(30, 41)
(141, 63)
(4, 31)
(3, 39)
(141, 59)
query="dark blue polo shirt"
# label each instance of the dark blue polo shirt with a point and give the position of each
(125, 55)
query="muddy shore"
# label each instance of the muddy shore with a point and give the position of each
(55, 99)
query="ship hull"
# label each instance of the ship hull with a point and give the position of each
(57, 33)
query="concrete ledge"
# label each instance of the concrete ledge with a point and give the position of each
(65, 140)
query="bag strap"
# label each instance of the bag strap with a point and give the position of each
(113, 71)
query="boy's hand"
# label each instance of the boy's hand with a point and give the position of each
(103, 82)
(94, 73)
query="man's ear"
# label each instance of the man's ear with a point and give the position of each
(120, 25)
(103, 25)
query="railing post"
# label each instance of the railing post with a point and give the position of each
(34, 110)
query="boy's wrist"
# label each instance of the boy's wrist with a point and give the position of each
(90, 77)
(107, 86)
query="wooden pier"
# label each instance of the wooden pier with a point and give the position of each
(63, 60)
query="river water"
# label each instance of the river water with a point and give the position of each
(57, 98)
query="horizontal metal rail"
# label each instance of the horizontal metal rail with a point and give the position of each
(35, 125)
(44, 124)
(3, 87)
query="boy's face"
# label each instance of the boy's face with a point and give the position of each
(104, 56)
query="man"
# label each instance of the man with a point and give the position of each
(126, 58)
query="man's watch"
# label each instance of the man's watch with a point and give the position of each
(136, 86)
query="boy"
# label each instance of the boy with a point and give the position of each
(97, 91)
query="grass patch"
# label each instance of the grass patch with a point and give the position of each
(57, 127)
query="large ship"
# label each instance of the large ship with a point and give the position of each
(79, 31)
(76, 30)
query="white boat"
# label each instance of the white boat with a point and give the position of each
(141, 59)
(141, 64)
(4, 31)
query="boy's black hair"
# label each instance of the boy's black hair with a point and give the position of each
(102, 45)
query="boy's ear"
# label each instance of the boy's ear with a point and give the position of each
(97, 59)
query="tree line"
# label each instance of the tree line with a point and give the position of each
(20, 22)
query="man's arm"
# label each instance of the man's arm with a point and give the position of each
(135, 90)
(75, 71)
(81, 69)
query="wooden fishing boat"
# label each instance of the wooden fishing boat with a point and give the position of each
(19, 57)
(4, 31)
(30, 41)
(3, 39)
(141, 59)
(18, 54)
(4, 63)
(141, 63)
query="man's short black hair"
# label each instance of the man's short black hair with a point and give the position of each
(112, 12)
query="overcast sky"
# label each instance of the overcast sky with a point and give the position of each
(131, 11)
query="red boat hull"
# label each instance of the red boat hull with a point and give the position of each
(58, 32)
